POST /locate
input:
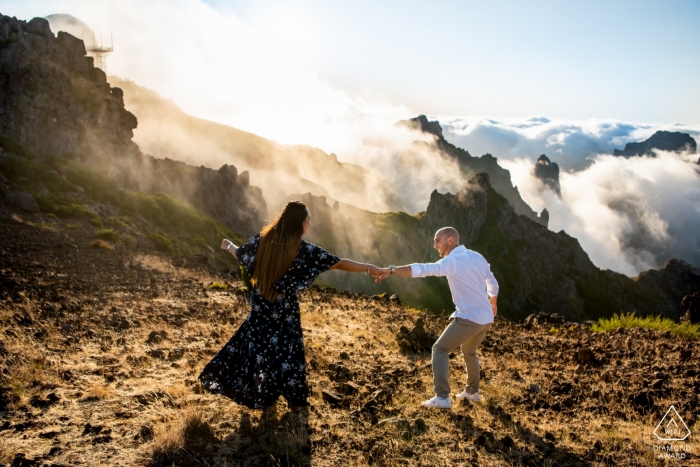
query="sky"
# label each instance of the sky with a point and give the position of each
(572, 80)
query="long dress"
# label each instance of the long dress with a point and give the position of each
(265, 357)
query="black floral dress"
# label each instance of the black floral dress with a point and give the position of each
(265, 357)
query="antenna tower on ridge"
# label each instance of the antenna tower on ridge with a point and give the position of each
(99, 52)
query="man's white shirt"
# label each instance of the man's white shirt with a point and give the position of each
(471, 282)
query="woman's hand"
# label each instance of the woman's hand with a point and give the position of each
(229, 246)
(383, 274)
(374, 271)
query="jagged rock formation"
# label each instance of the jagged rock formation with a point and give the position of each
(690, 306)
(661, 140)
(53, 100)
(499, 177)
(548, 172)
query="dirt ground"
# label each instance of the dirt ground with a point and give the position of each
(100, 350)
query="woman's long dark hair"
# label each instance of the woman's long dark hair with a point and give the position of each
(279, 245)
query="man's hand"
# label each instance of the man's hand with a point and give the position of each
(383, 274)
(494, 306)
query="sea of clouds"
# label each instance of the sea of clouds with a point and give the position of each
(628, 214)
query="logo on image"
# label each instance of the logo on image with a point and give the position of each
(672, 427)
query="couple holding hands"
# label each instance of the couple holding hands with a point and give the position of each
(265, 357)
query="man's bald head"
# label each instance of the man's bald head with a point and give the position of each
(446, 239)
(448, 232)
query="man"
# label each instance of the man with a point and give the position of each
(474, 293)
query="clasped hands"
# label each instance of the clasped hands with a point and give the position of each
(379, 274)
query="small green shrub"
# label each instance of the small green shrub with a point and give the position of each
(73, 226)
(96, 222)
(630, 320)
(108, 234)
(162, 243)
(218, 286)
(120, 221)
(10, 145)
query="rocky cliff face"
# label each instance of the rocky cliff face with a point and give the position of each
(499, 177)
(53, 100)
(662, 140)
(548, 172)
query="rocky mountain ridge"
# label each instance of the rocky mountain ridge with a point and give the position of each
(54, 101)
(673, 141)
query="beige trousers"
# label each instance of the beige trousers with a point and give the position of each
(459, 333)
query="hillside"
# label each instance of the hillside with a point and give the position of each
(538, 270)
(166, 131)
(100, 350)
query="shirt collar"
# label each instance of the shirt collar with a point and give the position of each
(457, 250)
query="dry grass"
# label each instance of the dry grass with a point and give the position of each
(98, 391)
(145, 407)
(101, 244)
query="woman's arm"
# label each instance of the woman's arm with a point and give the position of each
(349, 265)
(230, 247)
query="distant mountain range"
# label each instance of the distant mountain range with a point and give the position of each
(662, 141)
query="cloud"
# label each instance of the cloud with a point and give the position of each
(574, 145)
(216, 66)
(629, 215)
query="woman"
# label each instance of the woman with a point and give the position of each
(265, 357)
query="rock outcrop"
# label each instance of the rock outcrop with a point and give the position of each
(548, 173)
(674, 281)
(498, 176)
(54, 101)
(663, 141)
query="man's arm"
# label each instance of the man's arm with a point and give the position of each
(398, 271)
(494, 306)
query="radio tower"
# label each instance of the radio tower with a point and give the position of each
(99, 52)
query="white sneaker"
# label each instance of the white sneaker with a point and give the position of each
(438, 403)
(465, 395)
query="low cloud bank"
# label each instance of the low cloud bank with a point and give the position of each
(628, 214)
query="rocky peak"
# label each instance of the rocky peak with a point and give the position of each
(661, 140)
(52, 97)
(421, 123)
(548, 172)
(465, 211)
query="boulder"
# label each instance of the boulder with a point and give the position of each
(23, 201)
